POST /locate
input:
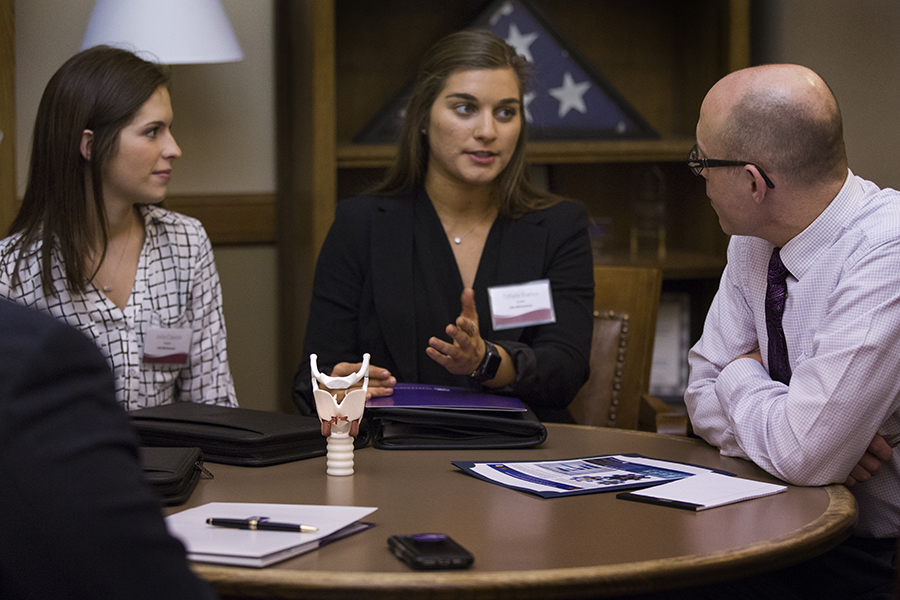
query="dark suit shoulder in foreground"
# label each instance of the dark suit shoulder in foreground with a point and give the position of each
(79, 521)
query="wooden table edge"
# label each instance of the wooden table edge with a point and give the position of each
(827, 531)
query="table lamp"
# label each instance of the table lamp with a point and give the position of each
(165, 31)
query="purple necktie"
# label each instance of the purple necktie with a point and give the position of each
(776, 294)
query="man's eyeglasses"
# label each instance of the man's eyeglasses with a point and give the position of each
(697, 164)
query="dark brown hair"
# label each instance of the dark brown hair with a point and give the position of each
(462, 51)
(100, 89)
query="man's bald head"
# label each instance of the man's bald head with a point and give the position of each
(781, 117)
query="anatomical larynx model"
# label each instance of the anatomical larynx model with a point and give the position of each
(340, 413)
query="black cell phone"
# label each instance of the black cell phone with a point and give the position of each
(430, 551)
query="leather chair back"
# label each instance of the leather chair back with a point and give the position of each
(626, 301)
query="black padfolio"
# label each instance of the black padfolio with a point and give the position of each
(440, 429)
(234, 436)
(173, 472)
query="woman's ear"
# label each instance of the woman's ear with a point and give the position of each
(87, 139)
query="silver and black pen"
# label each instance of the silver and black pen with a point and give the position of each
(260, 524)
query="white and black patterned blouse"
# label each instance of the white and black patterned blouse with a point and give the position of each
(177, 286)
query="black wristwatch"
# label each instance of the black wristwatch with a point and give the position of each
(489, 365)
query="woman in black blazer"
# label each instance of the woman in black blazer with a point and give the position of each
(406, 272)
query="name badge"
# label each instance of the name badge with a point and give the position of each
(167, 346)
(521, 305)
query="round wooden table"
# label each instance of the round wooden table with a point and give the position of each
(525, 547)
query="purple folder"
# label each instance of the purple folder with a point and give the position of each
(418, 395)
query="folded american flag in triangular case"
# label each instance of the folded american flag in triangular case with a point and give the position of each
(569, 99)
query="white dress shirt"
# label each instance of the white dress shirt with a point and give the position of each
(842, 324)
(176, 287)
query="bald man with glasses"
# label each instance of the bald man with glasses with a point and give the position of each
(797, 368)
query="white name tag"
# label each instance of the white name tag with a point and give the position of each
(167, 346)
(521, 305)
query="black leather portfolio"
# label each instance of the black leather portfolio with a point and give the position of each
(172, 472)
(437, 429)
(234, 436)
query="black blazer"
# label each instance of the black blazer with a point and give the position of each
(79, 521)
(363, 295)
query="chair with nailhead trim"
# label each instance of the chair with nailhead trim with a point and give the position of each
(626, 301)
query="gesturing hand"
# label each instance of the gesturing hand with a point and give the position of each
(464, 354)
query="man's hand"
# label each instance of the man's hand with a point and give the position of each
(878, 452)
(755, 355)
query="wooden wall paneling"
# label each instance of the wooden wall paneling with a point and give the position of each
(306, 173)
(378, 49)
(630, 45)
(231, 218)
(9, 205)
(739, 35)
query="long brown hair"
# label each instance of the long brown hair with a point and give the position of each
(100, 89)
(462, 51)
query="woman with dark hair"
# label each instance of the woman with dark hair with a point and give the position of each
(90, 246)
(454, 223)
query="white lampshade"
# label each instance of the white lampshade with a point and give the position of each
(171, 32)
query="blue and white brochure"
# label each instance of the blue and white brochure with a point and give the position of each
(588, 475)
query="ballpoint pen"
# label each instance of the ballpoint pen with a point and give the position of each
(261, 524)
(892, 440)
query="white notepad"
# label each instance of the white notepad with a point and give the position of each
(705, 490)
(205, 543)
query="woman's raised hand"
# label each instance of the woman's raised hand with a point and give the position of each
(464, 354)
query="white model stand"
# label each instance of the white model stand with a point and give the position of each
(339, 415)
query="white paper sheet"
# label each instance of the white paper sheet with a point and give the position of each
(206, 543)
